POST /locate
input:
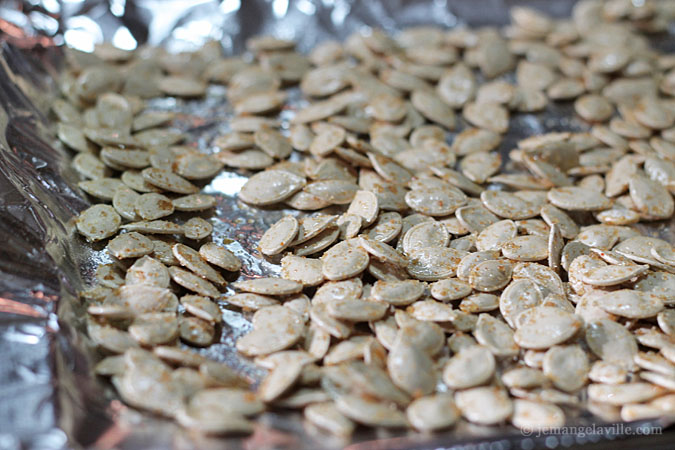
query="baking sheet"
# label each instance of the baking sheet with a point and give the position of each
(48, 399)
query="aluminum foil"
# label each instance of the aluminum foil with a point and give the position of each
(48, 397)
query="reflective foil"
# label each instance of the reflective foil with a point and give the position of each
(48, 397)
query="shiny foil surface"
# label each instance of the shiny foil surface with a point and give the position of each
(49, 398)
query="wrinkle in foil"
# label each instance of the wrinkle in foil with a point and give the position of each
(48, 397)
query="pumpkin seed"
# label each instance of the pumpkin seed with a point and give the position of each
(526, 248)
(109, 276)
(433, 263)
(251, 301)
(102, 136)
(544, 326)
(397, 293)
(234, 141)
(153, 206)
(433, 108)
(303, 270)
(489, 276)
(386, 228)
(154, 328)
(450, 289)
(197, 228)
(248, 159)
(169, 181)
(608, 373)
(194, 202)
(382, 251)
(652, 200)
(179, 356)
(319, 315)
(193, 282)
(409, 368)
(196, 166)
(101, 188)
(490, 116)
(475, 217)
(181, 86)
(638, 248)
(517, 297)
(339, 192)
(656, 363)
(566, 366)
(630, 303)
(531, 415)
(269, 187)
(523, 377)
(275, 328)
(356, 310)
(471, 260)
(151, 119)
(279, 236)
(479, 166)
(555, 247)
(495, 405)
(89, 166)
(269, 286)
(495, 335)
(147, 270)
(565, 89)
(260, 102)
(457, 86)
(496, 235)
(344, 261)
(327, 417)
(470, 367)
(135, 159)
(545, 278)
(458, 180)
(426, 234)
(611, 342)
(619, 394)
(365, 205)
(154, 227)
(327, 139)
(429, 310)
(130, 245)
(661, 284)
(369, 412)
(98, 222)
(135, 181)
(593, 108)
(612, 275)
(201, 307)
(507, 205)
(433, 412)
(651, 112)
(573, 198)
(191, 259)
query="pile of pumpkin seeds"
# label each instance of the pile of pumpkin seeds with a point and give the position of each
(428, 280)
